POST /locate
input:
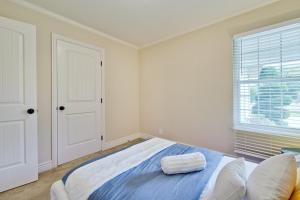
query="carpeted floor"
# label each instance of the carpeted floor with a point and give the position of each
(40, 190)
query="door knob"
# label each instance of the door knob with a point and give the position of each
(61, 108)
(30, 111)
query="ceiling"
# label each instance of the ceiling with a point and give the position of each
(144, 22)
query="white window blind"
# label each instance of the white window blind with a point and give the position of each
(267, 81)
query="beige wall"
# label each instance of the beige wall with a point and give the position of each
(121, 81)
(183, 85)
(186, 82)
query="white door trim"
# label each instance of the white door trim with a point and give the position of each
(55, 38)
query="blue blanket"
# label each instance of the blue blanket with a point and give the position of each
(147, 181)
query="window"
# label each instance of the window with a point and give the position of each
(267, 80)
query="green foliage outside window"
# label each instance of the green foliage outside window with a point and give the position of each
(271, 97)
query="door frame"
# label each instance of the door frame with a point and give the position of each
(55, 38)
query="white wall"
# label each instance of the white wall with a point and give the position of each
(121, 81)
(186, 82)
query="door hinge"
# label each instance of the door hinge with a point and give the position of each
(101, 63)
(101, 100)
(101, 137)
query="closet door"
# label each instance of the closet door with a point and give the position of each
(79, 100)
(18, 112)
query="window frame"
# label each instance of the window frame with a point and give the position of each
(263, 129)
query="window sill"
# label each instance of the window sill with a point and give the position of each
(291, 133)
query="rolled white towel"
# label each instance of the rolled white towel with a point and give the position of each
(183, 163)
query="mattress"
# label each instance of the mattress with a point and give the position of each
(58, 191)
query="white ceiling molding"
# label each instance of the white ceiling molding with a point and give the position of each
(136, 36)
(208, 24)
(70, 21)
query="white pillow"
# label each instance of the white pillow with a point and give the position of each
(231, 181)
(273, 179)
(184, 163)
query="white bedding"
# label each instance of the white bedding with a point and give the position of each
(61, 192)
(88, 178)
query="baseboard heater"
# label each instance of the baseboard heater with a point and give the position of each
(262, 146)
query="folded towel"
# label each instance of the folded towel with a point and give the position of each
(183, 163)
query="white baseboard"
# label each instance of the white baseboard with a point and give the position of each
(45, 166)
(119, 141)
(146, 136)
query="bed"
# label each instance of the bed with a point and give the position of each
(134, 173)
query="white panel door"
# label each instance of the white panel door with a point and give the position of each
(79, 100)
(18, 118)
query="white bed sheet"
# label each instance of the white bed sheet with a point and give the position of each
(85, 180)
(58, 192)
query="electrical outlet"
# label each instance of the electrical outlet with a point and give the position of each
(160, 131)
